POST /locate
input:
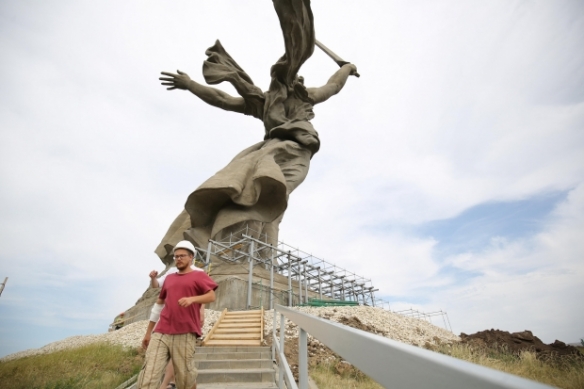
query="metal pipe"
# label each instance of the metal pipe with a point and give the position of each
(289, 281)
(250, 276)
(282, 335)
(272, 282)
(305, 285)
(274, 326)
(299, 285)
(302, 359)
(319, 285)
(208, 256)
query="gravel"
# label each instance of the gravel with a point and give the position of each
(391, 325)
(376, 320)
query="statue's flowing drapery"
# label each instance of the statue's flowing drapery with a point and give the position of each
(253, 189)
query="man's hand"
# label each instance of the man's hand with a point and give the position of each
(175, 81)
(146, 341)
(185, 302)
(153, 280)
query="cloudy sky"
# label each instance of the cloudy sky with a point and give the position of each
(451, 172)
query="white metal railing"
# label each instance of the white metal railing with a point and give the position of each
(390, 363)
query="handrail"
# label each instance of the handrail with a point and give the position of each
(392, 364)
(278, 349)
(208, 336)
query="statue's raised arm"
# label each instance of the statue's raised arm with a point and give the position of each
(333, 85)
(209, 95)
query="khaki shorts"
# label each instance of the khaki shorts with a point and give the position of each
(162, 347)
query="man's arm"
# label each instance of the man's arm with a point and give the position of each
(212, 96)
(153, 280)
(333, 85)
(157, 307)
(206, 298)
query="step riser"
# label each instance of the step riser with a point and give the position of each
(243, 313)
(208, 377)
(231, 342)
(210, 350)
(236, 325)
(249, 385)
(235, 364)
(236, 336)
(232, 355)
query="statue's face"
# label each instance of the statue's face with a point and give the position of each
(300, 80)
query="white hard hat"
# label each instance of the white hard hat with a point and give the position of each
(184, 244)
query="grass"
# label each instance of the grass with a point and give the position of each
(96, 366)
(566, 372)
(327, 375)
(103, 365)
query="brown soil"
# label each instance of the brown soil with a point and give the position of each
(356, 323)
(517, 342)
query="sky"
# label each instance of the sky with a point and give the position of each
(451, 172)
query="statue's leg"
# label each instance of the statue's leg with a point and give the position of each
(295, 170)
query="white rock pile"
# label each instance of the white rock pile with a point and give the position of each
(392, 325)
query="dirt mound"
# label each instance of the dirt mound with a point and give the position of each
(517, 342)
(356, 323)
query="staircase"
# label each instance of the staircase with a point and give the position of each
(235, 367)
(232, 356)
(239, 328)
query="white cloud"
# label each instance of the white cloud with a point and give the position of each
(533, 283)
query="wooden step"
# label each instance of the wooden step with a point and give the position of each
(238, 342)
(235, 330)
(236, 336)
(236, 325)
(258, 312)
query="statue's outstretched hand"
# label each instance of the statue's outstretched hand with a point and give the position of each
(353, 69)
(175, 81)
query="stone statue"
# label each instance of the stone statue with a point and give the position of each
(253, 189)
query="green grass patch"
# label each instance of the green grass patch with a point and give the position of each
(96, 366)
(333, 374)
(566, 372)
(563, 372)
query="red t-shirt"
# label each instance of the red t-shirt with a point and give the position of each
(175, 319)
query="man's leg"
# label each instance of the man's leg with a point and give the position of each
(182, 351)
(157, 357)
(168, 376)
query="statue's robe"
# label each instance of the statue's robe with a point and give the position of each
(252, 190)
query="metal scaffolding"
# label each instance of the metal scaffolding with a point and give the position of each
(312, 276)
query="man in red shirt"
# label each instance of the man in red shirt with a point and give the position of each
(177, 312)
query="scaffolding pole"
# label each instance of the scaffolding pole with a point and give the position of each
(250, 277)
(313, 275)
